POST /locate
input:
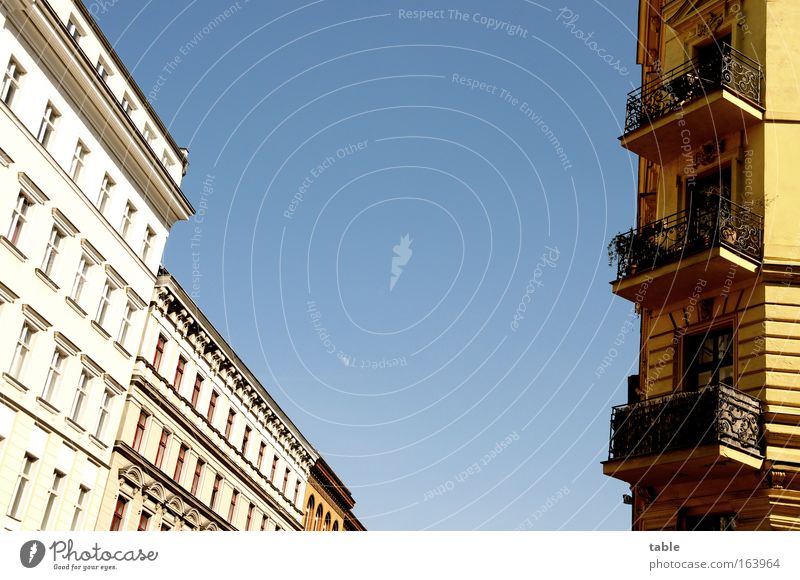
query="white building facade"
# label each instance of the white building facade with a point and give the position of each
(202, 445)
(89, 189)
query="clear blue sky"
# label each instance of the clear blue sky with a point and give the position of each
(325, 132)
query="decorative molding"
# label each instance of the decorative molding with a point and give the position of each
(30, 187)
(91, 252)
(5, 158)
(66, 343)
(36, 319)
(62, 221)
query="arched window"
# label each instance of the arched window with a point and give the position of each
(336, 526)
(327, 522)
(309, 511)
(317, 518)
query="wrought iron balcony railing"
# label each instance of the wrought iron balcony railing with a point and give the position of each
(716, 221)
(729, 69)
(713, 415)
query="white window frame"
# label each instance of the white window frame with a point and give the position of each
(74, 30)
(81, 396)
(79, 507)
(148, 242)
(78, 160)
(104, 414)
(128, 215)
(19, 217)
(55, 373)
(81, 278)
(52, 250)
(22, 351)
(53, 494)
(47, 128)
(127, 322)
(104, 195)
(22, 488)
(11, 81)
(105, 303)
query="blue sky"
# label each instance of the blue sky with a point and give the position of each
(465, 394)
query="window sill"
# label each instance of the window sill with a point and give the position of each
(123, 351)
(103, 332)
(75, 306)
(48, 405)
(47, 280)
(97, 442)
(4, 241)
(74, 425)
(14, 382)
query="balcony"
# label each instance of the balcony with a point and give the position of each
(718, 242)
(693, 104)
(687, 433)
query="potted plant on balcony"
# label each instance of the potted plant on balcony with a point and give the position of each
(619, 250)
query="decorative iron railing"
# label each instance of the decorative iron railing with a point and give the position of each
(713, 415)
(696, 78)
(716, 221)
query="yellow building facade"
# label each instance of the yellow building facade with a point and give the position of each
(710, 436)
(328, 503)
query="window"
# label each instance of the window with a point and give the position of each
(73, 30)
(232, 507)
(53, 375)
(166, 161)
(105, 303)
(250, 509)
(80, 506)
(19, 217)
(709, 359)
(212, 405)
(51, 251)
(127, 106)
(264, 520)
(261, 449)
(48, 125)
(78, 161)
(141, 427)
(285, 481)
(105, 411)
(317, 518)
(102, 69)
(296, 491)
(19, 497)
(274, 468)
(127, 219)
(81, 277)
(198, 474)
(181, 366)
(198, 384)
(246, 439)
(160, 344)
(81, 393)
(718, 522)
(119, 514)
(11, 81)
(215, 491)
(162, 447)
(21, 351)
(229, 423)
(165, 527)
(144, 522)
(179, 463)
(327, 525)
(147, 243)
(104, 197)
(148, 135)
(127, 323)
(52, 499)
(309, 511)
